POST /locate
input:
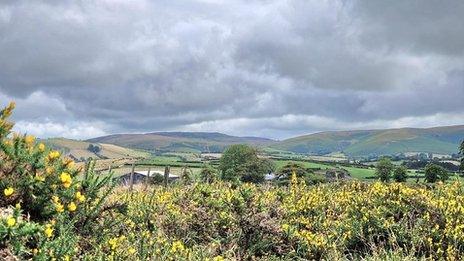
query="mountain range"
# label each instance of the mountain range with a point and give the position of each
(439, 140)
(180, 141)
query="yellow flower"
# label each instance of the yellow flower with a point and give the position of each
(80, 197)
(53, 155)
(41, 147)
(285, 227)
(11, 221)
(8, 191)
(218, 258)
(29, 140)
(59, 207)
(39, 177)
(49, 170)
(177, 246)
(48, 231)
(132, 250)
(113, 243)
(66, 179)
(55, 199)
(72, 207)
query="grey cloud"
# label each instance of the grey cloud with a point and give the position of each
(423, 27)
(267, 67)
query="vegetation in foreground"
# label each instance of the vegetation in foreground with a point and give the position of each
(49, 212)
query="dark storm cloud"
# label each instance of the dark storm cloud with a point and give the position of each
(274, 68)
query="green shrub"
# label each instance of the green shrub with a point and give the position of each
(208, 174)
(400, 174)
(434, 173)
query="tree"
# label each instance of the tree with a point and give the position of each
(284, 174)
(241, 163)
(94, 148)
(400, 174)
(287, 170)
(434, 172)
(384, 169)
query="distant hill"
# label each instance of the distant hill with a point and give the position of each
(79, 149)
(180, 141)
(440, 140)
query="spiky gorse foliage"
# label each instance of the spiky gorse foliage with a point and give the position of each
(340, 221)
(42, 200)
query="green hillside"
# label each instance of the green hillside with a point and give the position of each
(440, 140)
(180, 141)
(79, 149)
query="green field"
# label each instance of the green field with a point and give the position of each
(362, 143)
(176, 162)
(356, 172)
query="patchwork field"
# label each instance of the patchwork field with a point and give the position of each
(79, 149)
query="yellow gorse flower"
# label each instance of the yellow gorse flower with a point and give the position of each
(72, 207)
(8, 191)
(48, 230)
(29, 140)
(11, 221)
(66, 179)
(80, 197)
(177, 246)
(39, 177)
(53, 155)
(49, 170)
(59, 207)
(41, 147)
(113, 243)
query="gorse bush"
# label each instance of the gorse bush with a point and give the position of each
(45, 207)
(350, 220)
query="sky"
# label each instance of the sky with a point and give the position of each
(270, 68)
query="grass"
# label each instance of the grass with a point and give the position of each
(360, 173)
(356, 172)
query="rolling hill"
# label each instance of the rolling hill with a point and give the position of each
(180, 141)
(79, 149)
(440, 140)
